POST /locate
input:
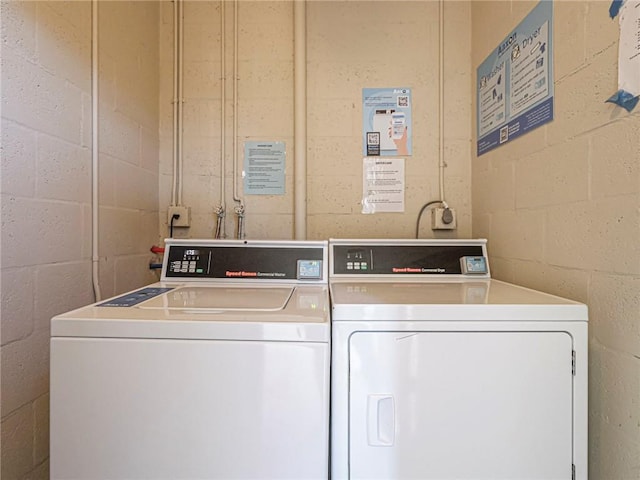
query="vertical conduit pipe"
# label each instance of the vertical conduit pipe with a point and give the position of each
(95, 205)
(300, 120)
(180, 94)
(174, 187)
(236, 171)
(441, 163)
(220, 229)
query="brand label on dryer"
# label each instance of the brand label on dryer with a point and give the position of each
(417, 270)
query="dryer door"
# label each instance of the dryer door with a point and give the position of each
(460, 405)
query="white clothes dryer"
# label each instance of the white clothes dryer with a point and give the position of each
(441, 373)
(219, 371)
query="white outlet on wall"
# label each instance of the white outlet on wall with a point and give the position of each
(443, 219)
(185, 216)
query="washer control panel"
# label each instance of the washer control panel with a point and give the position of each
(245, 260)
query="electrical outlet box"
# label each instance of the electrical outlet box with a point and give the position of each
(443, 219)
(185, 216)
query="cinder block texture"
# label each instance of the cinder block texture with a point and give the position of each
(556, 176)
(600, 235)
(349, 46)
(17, 303)
(61, 287)
(38, 231)
(41, 429)
(64, 171)
(615, 312)
(25, 371)
(46, 187)
(18, 167)
(614, 154)
(574, 227)
(613, 425)
(17, 441)
(352, 46)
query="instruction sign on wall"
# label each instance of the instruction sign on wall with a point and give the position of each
(264, 164)
(382, 185)
(515, 82)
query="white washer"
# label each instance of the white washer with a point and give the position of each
(219, 371)
(440, 374)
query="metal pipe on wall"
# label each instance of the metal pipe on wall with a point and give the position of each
(441, 162)
(174, 186)
(300, 120)
(95, 199)
(180, 95)
(236, 172)
(220, 225)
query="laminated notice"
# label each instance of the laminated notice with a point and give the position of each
(382, 185)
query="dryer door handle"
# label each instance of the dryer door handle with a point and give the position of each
(381, 421)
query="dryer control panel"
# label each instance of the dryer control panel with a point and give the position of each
(408, 257)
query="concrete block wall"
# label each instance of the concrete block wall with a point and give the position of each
(561, 209)
(265, 111)
(356, 45)
(129, 143)
(350, 46)
(46, 189)
(559, 205)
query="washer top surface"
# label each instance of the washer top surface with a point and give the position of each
(219, 290)
(217, 311)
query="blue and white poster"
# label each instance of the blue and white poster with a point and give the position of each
(386, 122)
(515, 82)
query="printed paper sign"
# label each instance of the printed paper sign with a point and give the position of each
(264, 168)
(629, 51)
(382, 185)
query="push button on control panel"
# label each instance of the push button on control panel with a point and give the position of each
(190, 263)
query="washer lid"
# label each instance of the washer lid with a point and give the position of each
(203, 299)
